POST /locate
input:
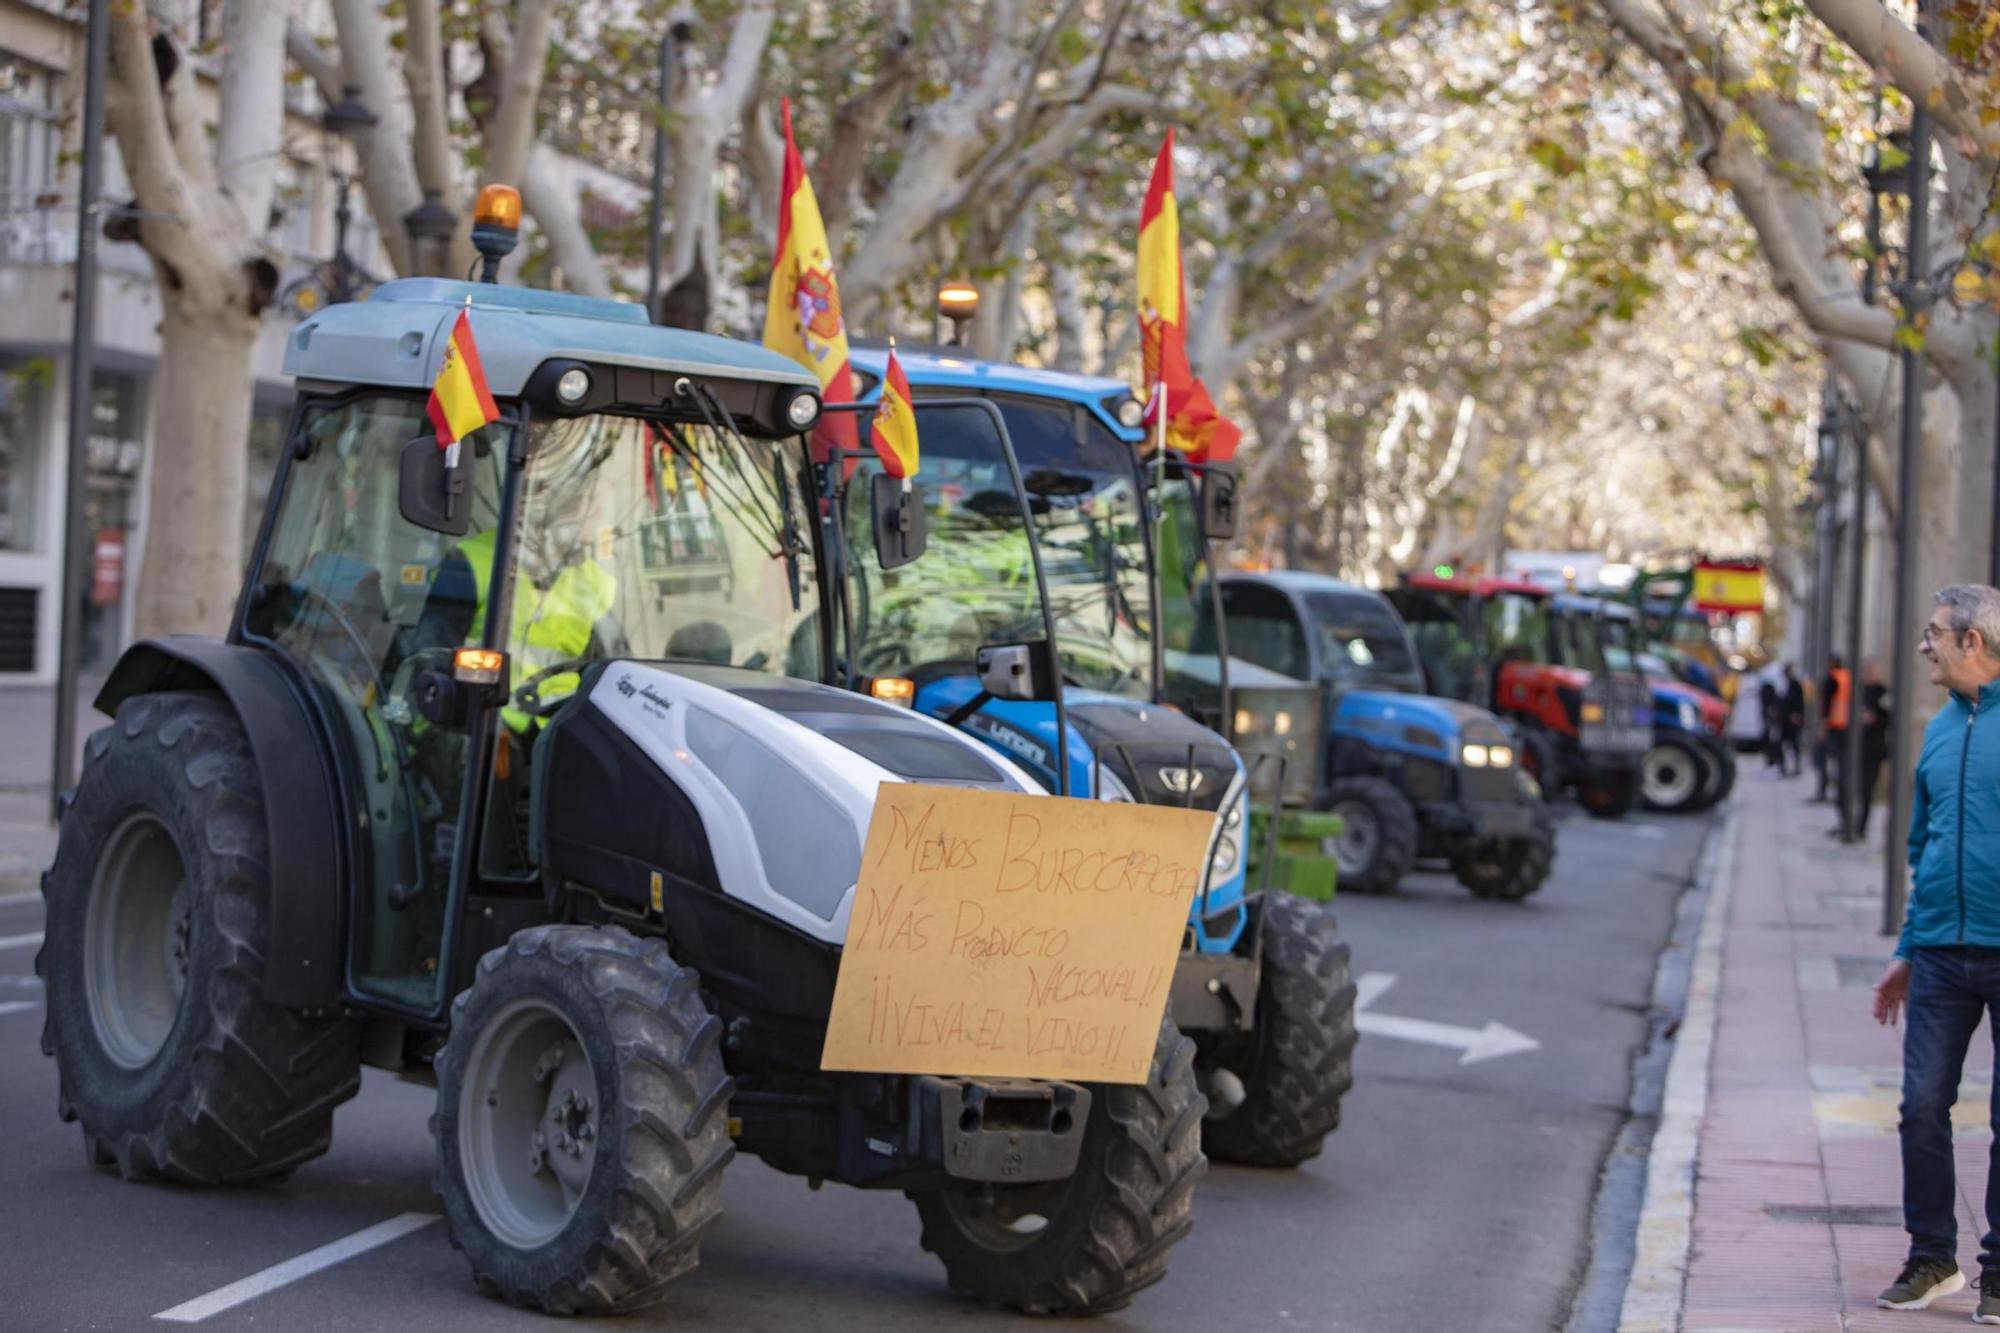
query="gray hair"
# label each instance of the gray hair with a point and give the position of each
(1974, 606)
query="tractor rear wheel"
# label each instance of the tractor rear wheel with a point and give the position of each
(1675, 775)
(158, 907)
(1301, 1057)
(1378, 837)
(1090, 1243)
(1512, 869)
(582, 1120)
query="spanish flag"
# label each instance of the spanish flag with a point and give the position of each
(461, 403)
(802, 313)
(1193, 425)
(1723, 585)
(894, 432)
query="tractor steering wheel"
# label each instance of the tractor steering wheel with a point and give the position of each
(528, 697)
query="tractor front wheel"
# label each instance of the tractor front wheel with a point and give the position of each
(1608, 794)
(1090, 1243)
(1300, 1061)
(1675, 775)
(1378, 836)
(157, 910)
(582, 1120)
(1513, 868)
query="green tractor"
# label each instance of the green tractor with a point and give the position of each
(520, 774)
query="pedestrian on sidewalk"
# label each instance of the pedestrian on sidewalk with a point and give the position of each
(1947, 964)
(1875, 722)
(1830, 750)
(1791, 722)
(1770, 712)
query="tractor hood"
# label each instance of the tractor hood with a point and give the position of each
(1416, 723)
(1173, 759)
(777, 778)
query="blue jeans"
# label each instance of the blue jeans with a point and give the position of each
(1950, 988)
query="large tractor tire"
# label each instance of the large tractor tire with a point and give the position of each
(1721, 771)
(1378, 837)
(157, 910)
(1607, 794)
(1299, 1062)
(1512, 869)
(1675, 775)
(1090, 1243)
(582, 1120)
(1542, 761)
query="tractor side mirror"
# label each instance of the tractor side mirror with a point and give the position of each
(1220, 517)
(901, 534)
(1017, 671)
(429, 494)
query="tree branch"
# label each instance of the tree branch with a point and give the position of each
(511, 131)
(550, 196)
(250, 125)
(172, 225)
(388, 175)
(424, 76)
(1913, 65)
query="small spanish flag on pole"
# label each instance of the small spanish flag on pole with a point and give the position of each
(461, 402)
(1192, 423)
(802, 317)
(894, 432)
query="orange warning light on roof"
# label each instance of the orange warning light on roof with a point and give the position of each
(498, 206)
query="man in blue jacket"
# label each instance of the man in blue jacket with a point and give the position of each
(1947, 963)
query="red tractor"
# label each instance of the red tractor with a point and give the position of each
(1491, 642)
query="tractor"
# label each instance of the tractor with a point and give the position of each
(1489, 641)
(1690, 766)
(1054, 529)
(1410, 776)
(517, 772)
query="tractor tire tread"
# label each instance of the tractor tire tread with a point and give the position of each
(1397, 824)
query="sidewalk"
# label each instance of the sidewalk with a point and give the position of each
(27, 725)
(1797, 1183)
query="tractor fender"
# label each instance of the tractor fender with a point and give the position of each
(1413, 725)
(301, 798)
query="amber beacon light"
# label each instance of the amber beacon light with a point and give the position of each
(496, 227)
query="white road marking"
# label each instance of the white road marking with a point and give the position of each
(1476, 1044)
(20, 941)
(16, 1006)
(305, 1265)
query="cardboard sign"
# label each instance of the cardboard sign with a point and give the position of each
(1013, 936)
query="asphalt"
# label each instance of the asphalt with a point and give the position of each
(1453, 1196)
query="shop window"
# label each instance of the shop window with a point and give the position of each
(23, 397)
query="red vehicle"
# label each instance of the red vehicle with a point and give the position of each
(1490, 641)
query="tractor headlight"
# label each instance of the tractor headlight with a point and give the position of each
(573, 387)
(803, 409)
(1131, 414)
(1229, 844)
(1593, 712)
(1690, 717)
(1111, 788)
(1476, 756)
(1281, 724)
(1500, 756)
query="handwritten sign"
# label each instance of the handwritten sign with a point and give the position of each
(1013, 936)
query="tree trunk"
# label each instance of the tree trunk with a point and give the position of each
(193, 565)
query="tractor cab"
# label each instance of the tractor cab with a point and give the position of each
(1494, 641)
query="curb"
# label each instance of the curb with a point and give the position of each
(1658, 1285)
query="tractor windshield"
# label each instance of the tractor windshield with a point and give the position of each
(1577, 642)
(1621, 643)
(1083, 487)
(684, 542)
(1516, 626)
(974, 586)
(1359, 638)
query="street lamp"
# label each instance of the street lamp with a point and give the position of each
(958, 301)
(346, 119)
(430, 226)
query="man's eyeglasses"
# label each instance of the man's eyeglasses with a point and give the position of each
(1933, 632)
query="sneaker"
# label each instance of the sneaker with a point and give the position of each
(1923, 1281)
(1989, 1297)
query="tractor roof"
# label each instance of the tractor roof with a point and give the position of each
(1581, 604)
(940, 369)
(1298, 581)
(1466, 585)
(394, 338)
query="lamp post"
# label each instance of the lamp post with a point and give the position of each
(958, 301)
(346, 119)
(1916, 299)
(430, 227)
(678, 30)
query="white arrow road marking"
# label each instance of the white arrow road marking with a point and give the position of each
(20, 941)
(278, 1275)
(16, 1006)
(1487, 1043)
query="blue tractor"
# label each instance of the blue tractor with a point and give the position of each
(1063, 530)
(1411, 776)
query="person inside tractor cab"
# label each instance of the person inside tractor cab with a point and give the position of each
(565, 596)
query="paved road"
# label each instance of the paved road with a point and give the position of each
(1454, 1195)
